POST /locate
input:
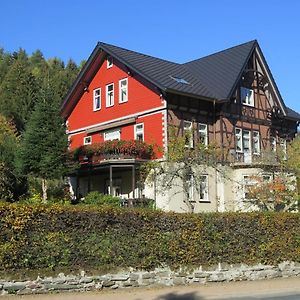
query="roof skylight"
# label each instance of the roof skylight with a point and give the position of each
(179, 79)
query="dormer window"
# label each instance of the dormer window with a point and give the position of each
(247, 96)
(109, 62)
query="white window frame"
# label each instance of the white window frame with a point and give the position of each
(123, 88)
(110, 99)
(256, 141)
(273, 143)
(191, 186)
(238, 140)
(188, 128)
(203, 133)
(109, 62)
(203, 189)
(283, 147)
(112, 134)
(87, 140)
(96, 98)
(139, 130)
(247, 96)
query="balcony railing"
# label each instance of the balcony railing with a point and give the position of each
(264, 158)
(113, 150)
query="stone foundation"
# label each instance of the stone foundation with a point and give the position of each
(158, 277)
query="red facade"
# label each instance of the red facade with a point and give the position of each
(144, 105)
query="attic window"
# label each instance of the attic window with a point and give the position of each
(179, 80)
(109, 62)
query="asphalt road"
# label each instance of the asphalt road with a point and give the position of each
(273, 289)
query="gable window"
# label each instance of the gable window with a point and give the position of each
(256, 142)
(247, 96)
(203, 134)
(123, 90)
(188, 134)
(203, 188)
(97, 99)
(109, 62)
(139, 132)
(113, 134)
(87, 140)
(110, 95)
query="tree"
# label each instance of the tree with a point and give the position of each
(10, 184)
(183, 166)
(44, 147)
(18, 91)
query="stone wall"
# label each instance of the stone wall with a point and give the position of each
(158, 277)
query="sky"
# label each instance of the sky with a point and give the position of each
(176, 30)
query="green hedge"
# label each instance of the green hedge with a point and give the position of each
(35, 237)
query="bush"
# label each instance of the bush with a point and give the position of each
(98, 199)
(90, 238)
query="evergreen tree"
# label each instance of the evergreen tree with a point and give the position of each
(44, 147)
(11, 186)
(18, 91)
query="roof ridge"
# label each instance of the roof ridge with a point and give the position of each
(218, 52)
(136, 52)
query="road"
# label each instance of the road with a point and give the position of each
(273, 289)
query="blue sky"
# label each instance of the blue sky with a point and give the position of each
(177, 30)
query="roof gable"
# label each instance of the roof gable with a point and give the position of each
(221, 71)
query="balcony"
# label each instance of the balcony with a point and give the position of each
(267, 158)
(115, 150)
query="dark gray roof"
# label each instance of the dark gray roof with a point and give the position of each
(220, 71)
(292, 114)
(212, 77)
(159, 71)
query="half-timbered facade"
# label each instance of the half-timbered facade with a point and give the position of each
(228, 98)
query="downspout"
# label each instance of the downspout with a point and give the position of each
(216, 172)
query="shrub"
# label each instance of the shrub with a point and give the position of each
(96, 198)
(90, 238)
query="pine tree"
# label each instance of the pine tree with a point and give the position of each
(18, 91)
(44, 147)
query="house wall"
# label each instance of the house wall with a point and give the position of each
(144, 103)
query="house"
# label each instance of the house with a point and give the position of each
(123, 102)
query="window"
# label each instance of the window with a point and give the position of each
(139, 132)
(123, 90)
(267, 178)
(273, 143)
(190, 186)
(248, 182)
(238, 140)
(283, 148)
(109, 62)
(87, 140)
(246, 141)
(256, 142)
(97, 99)
(110, 95)
(203, 134)
(203, 188)
(179, 80)
(110, 135)
(242, 143)
(188, 134)
(247, 96)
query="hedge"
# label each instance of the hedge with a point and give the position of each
(36, 237)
